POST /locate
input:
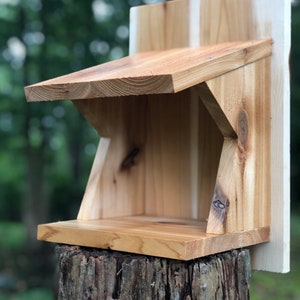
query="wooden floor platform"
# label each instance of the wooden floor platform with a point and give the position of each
(164, 237)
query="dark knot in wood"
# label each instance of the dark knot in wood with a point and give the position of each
(219, 204)
(128, 161)
(242, 127)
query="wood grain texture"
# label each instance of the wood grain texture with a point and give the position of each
(244, 170)
(90, 207)
(91, 274)
(117, 186)
(217, 21)
(174, 169)
(253, 128)
(155, 27)
(168, 182)
(224, 198)
(169, 71)
(181, 239)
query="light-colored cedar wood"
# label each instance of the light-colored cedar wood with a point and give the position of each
(163, 21)
(225, 198)
(163, 237)
(229, 20)
(169, 128)
(90, 208)
(169, 71)
(118, 188)
(247, 112)
(206, 163)
(172, 186)
(217, 21)
(174, 163)
(242, 185)
(225, 125)
(181, 158)
(168, 184)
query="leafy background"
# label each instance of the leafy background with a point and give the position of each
(46, 149)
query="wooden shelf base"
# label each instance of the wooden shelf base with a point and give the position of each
(164, 237)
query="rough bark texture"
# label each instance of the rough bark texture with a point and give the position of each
(87, 273)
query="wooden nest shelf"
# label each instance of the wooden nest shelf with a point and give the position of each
(182, 169)
(164, 237)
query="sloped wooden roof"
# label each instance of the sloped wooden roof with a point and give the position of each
(157, 72)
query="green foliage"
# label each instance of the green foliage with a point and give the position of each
(32, 294)
(47, 149)
(12, 236)
(295, 105)
(280, 286)
(49, 146)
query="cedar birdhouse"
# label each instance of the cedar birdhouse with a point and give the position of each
(182, 168)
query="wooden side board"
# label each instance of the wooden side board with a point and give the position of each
(215, 21)
(117, 180)
(247, 106)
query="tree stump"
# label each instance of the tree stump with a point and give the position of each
(87, 273)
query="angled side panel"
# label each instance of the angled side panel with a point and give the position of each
(244, 96)
(116, 183)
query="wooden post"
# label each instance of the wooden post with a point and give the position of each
(88, 273)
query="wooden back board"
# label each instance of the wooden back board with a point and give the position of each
(182, 23)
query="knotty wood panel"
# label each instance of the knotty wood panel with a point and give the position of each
(116, 186)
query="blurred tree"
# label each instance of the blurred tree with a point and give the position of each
(47, 148)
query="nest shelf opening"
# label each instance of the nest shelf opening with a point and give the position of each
(182, 166)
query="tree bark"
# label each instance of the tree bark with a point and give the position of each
(87, 273)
